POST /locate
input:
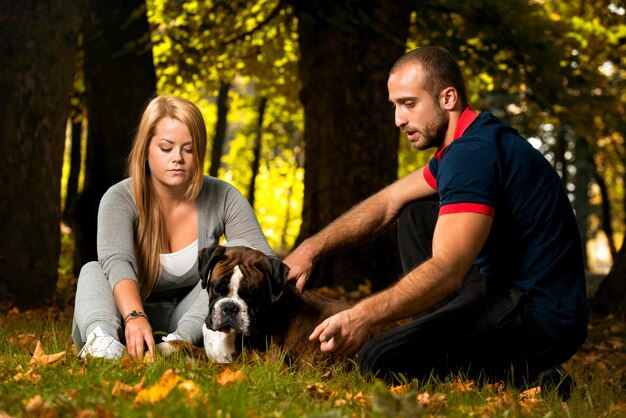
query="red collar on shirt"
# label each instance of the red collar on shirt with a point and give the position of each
(467, 117)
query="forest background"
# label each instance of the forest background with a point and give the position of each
(294, 96)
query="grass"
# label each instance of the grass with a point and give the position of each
(71, 387)
(99, 388)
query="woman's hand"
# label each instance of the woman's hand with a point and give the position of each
(138, 334)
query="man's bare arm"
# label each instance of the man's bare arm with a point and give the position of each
(457, 242)
(364, 221)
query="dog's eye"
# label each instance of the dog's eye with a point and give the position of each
(219, 288)
(247, 293)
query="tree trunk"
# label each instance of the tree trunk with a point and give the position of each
(581, 196)
(37, 51)
(346, 50)
(606, 212)
(220, 129)
(119, 80)
(256, 161)
(75, 161)
(609, 297)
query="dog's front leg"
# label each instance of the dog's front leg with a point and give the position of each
(219, 346)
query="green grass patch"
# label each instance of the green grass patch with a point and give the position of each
(265, 386)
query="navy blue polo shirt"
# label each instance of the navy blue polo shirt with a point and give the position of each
(534, 242)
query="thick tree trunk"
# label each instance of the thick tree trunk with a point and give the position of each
(37, 51)
(119, 80)
(220, 129)
(346, 50)
(256, 151)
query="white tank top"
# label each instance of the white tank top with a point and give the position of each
(181, 261)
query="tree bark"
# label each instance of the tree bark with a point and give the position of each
(37, 50)
(256, 151)
(220, 129)
(75, 161)
(119, 80)
(346, 50)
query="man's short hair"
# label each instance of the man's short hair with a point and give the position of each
(440, 70)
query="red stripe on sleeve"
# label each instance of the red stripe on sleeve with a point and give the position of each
(467, 207)
(430, 179)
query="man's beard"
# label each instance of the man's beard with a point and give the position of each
(435, 132)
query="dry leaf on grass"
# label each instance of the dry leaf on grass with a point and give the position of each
(317, 391)
(159, 390)
(40, 358)
(120, 387)
(228, 376)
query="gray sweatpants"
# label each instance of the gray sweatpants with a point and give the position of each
(95, 307)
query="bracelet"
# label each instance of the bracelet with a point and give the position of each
(134, 315)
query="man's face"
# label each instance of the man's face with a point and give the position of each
(416, 112)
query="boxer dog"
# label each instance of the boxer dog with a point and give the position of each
(251, 305)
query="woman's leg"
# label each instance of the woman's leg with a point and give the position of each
(94, 305)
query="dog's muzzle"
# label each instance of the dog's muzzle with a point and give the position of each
(229, 315)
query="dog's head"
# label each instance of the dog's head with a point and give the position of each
(242, 283)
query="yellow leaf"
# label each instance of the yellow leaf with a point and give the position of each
(29, 376)
(399, 390)
(40, 358)
(228, 376)
(160, 390)
(531, 393)
(191, 388)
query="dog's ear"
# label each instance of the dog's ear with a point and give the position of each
(278, 272)
(207, 259)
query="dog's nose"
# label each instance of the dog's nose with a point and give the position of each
(230, 309)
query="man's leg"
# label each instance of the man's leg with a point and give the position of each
(416, 226)
(500, 341)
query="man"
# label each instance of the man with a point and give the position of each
(501, 294)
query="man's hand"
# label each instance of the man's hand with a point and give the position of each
(300, 263)
(343, 333)
(138, 335)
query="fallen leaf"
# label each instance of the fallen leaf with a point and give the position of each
(5, 415)
(464, 386)
(40, 358)
(399, 390)
(120, 387)
(160, 390)
(317, 391)
(616, 343)
(531, 393)
(617, 328)
(35, 406)
(193, 391)
(28, 376)
(228, 376)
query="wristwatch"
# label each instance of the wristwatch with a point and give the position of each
(134, 315)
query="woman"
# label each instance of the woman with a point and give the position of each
(150, 227)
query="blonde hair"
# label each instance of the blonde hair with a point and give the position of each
(150, 232)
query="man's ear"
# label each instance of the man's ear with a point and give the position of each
(448, 98)
(277, 272)
(207, 259)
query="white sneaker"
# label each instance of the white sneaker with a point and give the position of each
(102, 345)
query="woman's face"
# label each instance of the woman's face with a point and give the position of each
(170, 155)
